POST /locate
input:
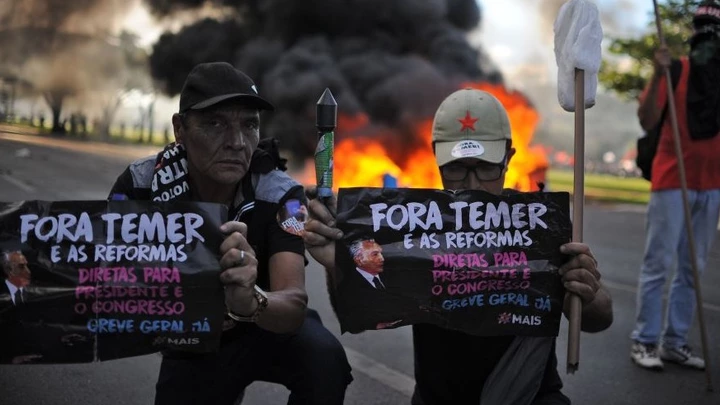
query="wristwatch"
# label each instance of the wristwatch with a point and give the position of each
(262, 300)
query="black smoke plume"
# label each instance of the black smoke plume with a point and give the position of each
(394, 60)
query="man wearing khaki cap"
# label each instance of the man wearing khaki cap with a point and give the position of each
(472, 141)
(472, 124)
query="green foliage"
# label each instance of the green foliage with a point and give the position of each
(630, 64)
(603, 187)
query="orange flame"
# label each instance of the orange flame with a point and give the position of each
(362, 161)
(529, 164)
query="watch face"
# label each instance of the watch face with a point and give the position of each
(262, 301)
(259, 291)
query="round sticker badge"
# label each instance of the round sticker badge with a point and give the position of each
(467, 149)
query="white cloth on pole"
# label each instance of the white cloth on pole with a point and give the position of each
(578, 38)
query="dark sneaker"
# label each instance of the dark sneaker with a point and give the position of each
(682, 356)
(646, 356)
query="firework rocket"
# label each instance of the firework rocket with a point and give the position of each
(326, 121)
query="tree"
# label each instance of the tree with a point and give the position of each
(109, 105)
(128, 76)
(630, 66)
(54, 99)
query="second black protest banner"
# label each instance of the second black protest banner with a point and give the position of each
(470, 261)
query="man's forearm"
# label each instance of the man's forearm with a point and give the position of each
(597, 315)
(285, 312)
(648, 113)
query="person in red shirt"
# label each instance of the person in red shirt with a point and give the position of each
(696, 99)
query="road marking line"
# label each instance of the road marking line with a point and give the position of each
(19, 183)
(631, 289)
(385, 375)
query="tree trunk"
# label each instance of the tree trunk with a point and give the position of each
(57, 127)
(151, 119)
(104, 130)
(108, 115)
(55, 99)
(141, 125)
(141, 131)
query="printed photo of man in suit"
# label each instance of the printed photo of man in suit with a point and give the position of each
(369, 261)
(370, 296)
(363, 293)
(36, 327)
(17, 277)
(16, 346)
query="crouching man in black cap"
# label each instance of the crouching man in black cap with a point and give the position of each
(269, 336)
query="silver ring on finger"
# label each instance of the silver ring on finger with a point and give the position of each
(241, 261)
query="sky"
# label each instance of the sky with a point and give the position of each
(520, 40)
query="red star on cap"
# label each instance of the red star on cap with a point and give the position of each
(468, 122)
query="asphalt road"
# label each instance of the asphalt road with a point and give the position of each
(34, 168)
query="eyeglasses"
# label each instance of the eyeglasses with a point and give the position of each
(483, 171)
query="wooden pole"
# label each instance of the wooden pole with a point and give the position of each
(575, 318)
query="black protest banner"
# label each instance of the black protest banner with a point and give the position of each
(90, 281)
(470, 260)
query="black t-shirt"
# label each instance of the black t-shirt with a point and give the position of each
(451, 367)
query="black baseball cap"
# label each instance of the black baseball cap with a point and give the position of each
(214, 82)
